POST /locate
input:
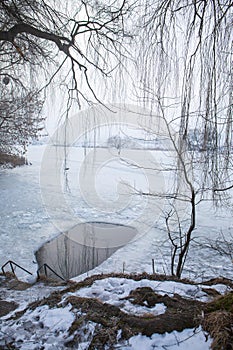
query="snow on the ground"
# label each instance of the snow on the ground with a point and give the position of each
(41, 328)
(35, 292)
(193, 339)
(220, 288)
(113, 291)
(48, 328)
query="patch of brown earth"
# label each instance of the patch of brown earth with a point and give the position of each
(10, 281)
(6, 307)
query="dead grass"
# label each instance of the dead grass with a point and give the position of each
(10, 281)
(219, 325)
(219, 280)
(6, 307)
(218, 322)
(180, 314)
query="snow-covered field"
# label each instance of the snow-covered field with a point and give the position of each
(27, 222)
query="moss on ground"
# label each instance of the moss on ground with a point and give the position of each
(222, 303)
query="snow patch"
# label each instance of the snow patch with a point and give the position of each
(187, 339)
(114, 290)
(40, 327)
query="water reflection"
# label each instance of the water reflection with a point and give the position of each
(83, 247)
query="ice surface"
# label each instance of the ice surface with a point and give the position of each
(25, 223)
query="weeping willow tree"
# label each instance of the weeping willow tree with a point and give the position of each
(184, 60)
(185, 64)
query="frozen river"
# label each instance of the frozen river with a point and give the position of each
(33, 209)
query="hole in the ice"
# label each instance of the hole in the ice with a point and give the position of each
(82, 248)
